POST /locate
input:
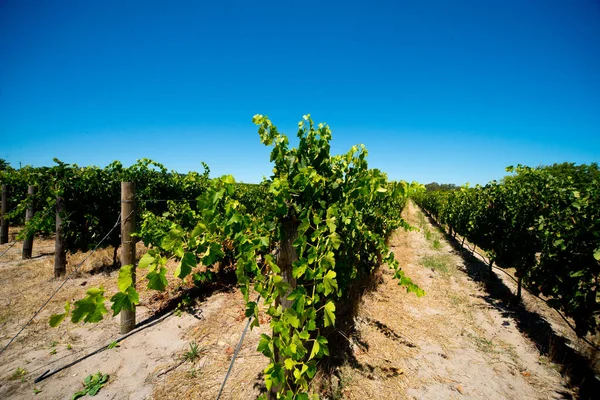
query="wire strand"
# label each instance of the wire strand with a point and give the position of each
(64, 282)
(592, 345)
(9, 247)
(235, 354)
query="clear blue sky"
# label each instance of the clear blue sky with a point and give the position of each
(446, 91)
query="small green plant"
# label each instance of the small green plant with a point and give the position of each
(113, 344)
(54, 343)
(194, 352)
(69, 347)
(436, 244)
(437, 263)
(53, 352)
(36, 391)
(92, 385)
(183, 305)
(19, 374)
(427, 233)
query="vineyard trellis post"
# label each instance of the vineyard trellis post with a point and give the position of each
(128, 246)
(60, 252)
(28, 242)
(4, 222)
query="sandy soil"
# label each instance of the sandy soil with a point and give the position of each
(451, 343)
(455, 342)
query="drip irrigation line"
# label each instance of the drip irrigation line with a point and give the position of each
(235, 354)
(487, 261)
(63, 283)
(143, 325)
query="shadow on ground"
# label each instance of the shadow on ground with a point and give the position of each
(572, 364)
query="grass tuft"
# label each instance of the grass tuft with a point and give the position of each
(439, 263)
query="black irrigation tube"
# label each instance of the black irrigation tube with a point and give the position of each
(143, 325)
(235, 354)
(592, 345)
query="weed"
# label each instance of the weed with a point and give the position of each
(53, 352)
(436, 244)
(92, 385)
(36, 391)
(193, 372)
(427, 234)
(69, 347)
(54, 343)
(113, 344)
(19, 374)
(437, 263)
(194, 352)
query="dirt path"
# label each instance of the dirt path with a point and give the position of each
(451, 343)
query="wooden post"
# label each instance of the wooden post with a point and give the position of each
(4, 221)
(128, 245)
(28, 242)
(60, 252)
(287, 255)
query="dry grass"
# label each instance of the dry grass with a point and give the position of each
(223, 323)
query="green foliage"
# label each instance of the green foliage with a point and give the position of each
(544, 222)
(194, 353)
(91, 307)
(92, 385)
(334, 212)
(92, 197)
(56, 319)
(113, 344)
(19, 374)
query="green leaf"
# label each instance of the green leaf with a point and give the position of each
(146, 260)
(172, 240)
(329, 314)
(328, 260)
(289, 363)
(185, 266)
(329, 282)
(91, 308)
(125, 301)
(157, 280)
(292, 317)
(56, 319)
(125, 279)
(265, 346)
(315, 350)
(299, 268)
(597, 254)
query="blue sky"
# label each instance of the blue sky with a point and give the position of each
(437, 90)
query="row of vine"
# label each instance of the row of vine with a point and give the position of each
(544, 222)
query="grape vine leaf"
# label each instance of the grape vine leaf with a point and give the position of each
(157, 280)
(125, 300)
(329, 314)
(56, 319)
(125, 279)
(91, 308)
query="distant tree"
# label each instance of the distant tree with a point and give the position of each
(440, 186)
(4, 165)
